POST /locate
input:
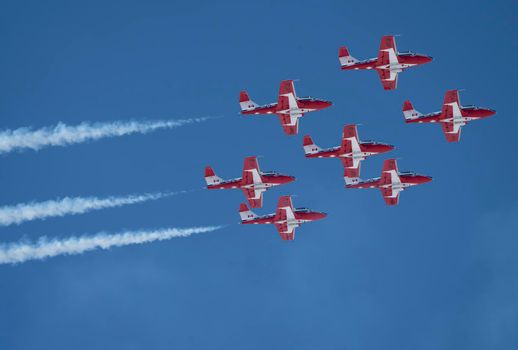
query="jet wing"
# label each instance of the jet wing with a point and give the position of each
(251, 172)
(286, 87)
(451, 108)
(286, 216)
(387, 54)
(390, 173)
(286, 105)
(284, 209)
(391, 197)
(388, 78)
(452, 114)
(451, 96)
(286, 232)
(351, 167)
(350, 139)
(287, 97)
(390, 176)
(388, 50)
(451, 131)
(254, 197)
(350, 145)
(252, 177)
(290, 123)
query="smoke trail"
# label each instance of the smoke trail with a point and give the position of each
(44, 248)
(69, 206)
(62, 134)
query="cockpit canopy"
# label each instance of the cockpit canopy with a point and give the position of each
(407, 53)
(370, 142)
(309, 98)
(408, 173)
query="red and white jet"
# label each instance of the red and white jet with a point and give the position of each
(289, 108)
(388, 64)
(392, 181)
(286, 219)
(352, 151)
(253, 183)
(452, 117)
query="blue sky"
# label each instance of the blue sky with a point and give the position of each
(436, 272)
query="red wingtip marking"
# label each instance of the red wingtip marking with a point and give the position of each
(390, 164)
(251, 163)
(243, 207)
(387, 42)
(286, 87)
(350, 130)
(284, 201)
(451, 96)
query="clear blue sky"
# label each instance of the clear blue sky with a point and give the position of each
(436, 272)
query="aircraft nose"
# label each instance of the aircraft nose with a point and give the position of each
(427, 179)
(490, 112)
(320, 216)
(290, 179)
(428, 59)
(389, 148)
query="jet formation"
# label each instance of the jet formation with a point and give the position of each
(289, 108)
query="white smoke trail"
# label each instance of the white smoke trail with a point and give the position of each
(63, 135)
(22, 212)
(44, 248)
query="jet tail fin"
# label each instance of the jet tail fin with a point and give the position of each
(409, 112)
(245, 102)
(245, 213)
(351, 180)
(345, 58)
(210, 177)
(309, 146)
